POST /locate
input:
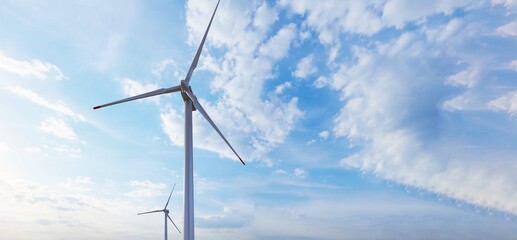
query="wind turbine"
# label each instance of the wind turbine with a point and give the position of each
(166, 212)
(191, 104)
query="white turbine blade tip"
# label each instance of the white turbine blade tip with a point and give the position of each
(207, 117)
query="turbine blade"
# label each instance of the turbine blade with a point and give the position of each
(200, 48)
(173, 223)
(144, 95)
(169, 196)
(150, 212)
(203, 112)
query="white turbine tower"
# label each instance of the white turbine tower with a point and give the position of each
(191, 104)
(166, 212)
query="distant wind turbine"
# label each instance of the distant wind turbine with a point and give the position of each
(166, 212)
(191, 104)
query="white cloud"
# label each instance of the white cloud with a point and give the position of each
(228, 22)
(305, 67)
(59, 128)
(282, 87)
(162, 69)
(399, 12)
(333, 53)
(68, 151)
(133, 88)
(321, 82)
(508, 30)
(146, 189)
(507, 103)
(172, 125)
(265, 17)
(507, 3)
(253, 121)
(36, 68)
(393, 113)
(304, 35)
(324, 134)
(278, 46)
(468, 77)
(332, 18)
(296, 173)
(81, 183)
(58, 107)
(251, 138)
(299, 173)
(84, 180)
(466, 101)
(456, 103)
(440, 35)
(513, 65)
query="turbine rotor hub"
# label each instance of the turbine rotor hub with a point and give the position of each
(185, 87)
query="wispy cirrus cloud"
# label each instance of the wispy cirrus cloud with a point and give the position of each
(35, 68)
(58, 107)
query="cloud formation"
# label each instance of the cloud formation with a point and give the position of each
(132, 88)
(507, 103)
(251, 118)
(35, 68)
(394, 102)
(59, 128)
(305, 67)
(58, 107)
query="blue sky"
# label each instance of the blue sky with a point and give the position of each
(378, 119)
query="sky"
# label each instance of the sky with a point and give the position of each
(374, 119)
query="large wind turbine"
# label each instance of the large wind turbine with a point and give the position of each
(166, 212)
(191, 104)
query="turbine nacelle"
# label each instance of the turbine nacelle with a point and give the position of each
(184, 86)
(185, 90)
